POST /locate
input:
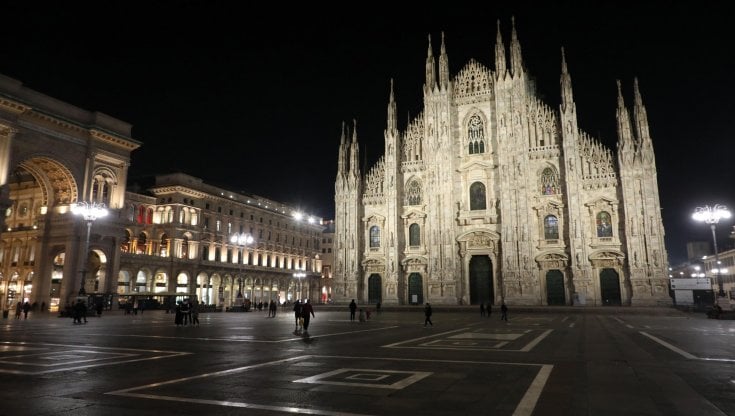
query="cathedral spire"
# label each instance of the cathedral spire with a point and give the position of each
(626, 145)
(430, 69)
(354, 152)
(392, 122)
(499, 54)
(567, 97)
(640, 119)
(342, 159)
(443, 66)
(516, 60)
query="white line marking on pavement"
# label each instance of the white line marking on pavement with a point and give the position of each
(524, 408)
(529, 400)
(535, 342)
(671, 347)
(244, 338)
(572, 325)
(419, 339)
(565, 318)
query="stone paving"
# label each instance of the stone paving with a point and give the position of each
(544, 361)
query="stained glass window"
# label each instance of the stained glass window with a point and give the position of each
(551, 228)
(476, 135)
(477, 196)
(374, 236)
(604, 225)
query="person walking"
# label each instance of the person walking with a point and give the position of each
(427, 314)
(273, 309)
(18, 309)
(307, 310)
(353, 308)
(503, 312)
(482, 308)
(297, 309)
(194, 313)
(489, 309)
(26, 308)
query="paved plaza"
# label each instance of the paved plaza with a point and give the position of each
(544, 361)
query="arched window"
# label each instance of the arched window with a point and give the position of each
(414, 235)
(549, 182)
(477, 196)
(476, 135)
(604, 224)
(131, 212)
(125, 245)
(185, 247)
(141, 247)
(551, 228)
(374, 236)
(101, 186)
(413, 193)
(164, 245)
(141, 215)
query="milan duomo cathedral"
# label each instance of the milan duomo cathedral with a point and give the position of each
(491, 195)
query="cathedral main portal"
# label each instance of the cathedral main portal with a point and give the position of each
(481, 280)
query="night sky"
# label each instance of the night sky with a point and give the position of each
(254, 99)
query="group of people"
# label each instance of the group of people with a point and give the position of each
(187, 313)
(364, 313)
(22, 308)
(303, 312)
(487, 311)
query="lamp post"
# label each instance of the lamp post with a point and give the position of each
(242, 240)
(712, 215)
(90, 211)
(300, 276)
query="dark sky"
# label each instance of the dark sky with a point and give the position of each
(253, 98)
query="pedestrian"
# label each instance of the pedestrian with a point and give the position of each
(18, 308)
(273, 309)
(482, 309)
(178, 319)
(305, 311)
(362, 315)
(26, 308)
(83, 310)
(353, 308)
(297, 308)
(503, 312)
(194, 313)
(43, 306)
(80, 312)
(489, 309)
(377, 307)
(185, 309)
(427, 314)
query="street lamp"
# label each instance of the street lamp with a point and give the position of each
(300, 276)
(90, 211)
(712, 215)
(242, 240)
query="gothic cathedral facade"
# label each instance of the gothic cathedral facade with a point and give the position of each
(491, 195)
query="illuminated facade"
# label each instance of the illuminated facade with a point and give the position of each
(492, 195)
(178, 241)
(169, 241)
